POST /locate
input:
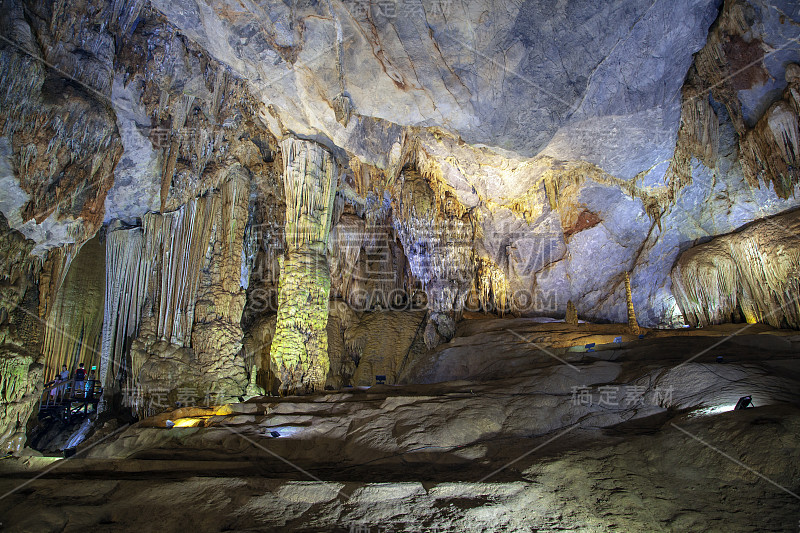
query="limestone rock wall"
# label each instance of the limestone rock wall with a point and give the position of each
(59, 134)
(20, 337)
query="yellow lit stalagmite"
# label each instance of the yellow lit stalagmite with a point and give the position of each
(633, 325)
(299, 351)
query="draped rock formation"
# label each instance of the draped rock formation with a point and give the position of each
(217, 332)
(299, 349)
(437, 237)
(174, 288)
(733, 61)
(75, 320)
(751, 275)
(126, 287)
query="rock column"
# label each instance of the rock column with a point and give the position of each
(299, 349)
(633, 325)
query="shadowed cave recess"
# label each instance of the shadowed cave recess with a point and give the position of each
(408, 265)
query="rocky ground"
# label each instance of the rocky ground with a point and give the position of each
(630, 437)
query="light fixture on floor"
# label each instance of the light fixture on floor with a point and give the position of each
(743, 403)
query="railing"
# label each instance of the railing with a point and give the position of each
(63, 393)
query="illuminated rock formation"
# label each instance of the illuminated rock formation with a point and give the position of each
(175, 245)
(633, 325)
(20, 337)
(74, 323)
(571, 317)
(217, 332)
(190, 338)
(751, 275)
(126, 287)
(492, 288)
(437, 237)
(299, 349)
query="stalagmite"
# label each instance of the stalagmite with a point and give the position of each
(572, 314)
(20, 388)
(299, 350)
(633, 325)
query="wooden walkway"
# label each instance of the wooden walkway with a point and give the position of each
(60, 399)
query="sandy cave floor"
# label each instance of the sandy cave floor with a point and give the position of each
(622, 439)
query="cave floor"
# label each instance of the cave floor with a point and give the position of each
(638, 436)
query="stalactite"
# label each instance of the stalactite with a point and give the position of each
(175, 244)
(771, 150)
(438, 247)
(125, 13)
(698, 136)
(492, 287)
(126, 287)
(74, 323)
(447, 204)
(713, 66)
(751, 274)
(300, 348)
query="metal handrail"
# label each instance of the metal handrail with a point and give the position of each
(57, 392)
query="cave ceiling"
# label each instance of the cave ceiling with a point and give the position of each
(582, 139)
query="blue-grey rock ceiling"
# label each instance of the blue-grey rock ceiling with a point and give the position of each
(504, 74)
(553, 123)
